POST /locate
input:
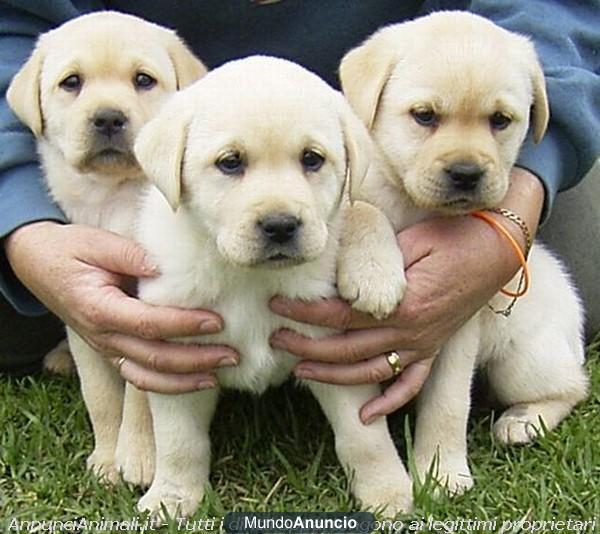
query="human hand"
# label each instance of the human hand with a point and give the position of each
(453, 267)
(78, 272)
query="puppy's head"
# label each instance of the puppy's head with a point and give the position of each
(258, 152)
(448, 98)
(90, 84)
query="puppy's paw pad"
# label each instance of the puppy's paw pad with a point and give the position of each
(174, 501)
(517, 428)
(59, 360)
(103, 467)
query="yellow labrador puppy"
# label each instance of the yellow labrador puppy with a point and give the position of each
(249, 165)
(448, 99)
(85, 92)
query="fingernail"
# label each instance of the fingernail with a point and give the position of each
(370, 419)
(228, 361)
(280, 305)
(210, 326)
(278, 340)
(150, 267)
(205, 384)
(303, 372)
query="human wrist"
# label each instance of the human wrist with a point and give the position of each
(525, 197)
(519, 212)
(16, 237)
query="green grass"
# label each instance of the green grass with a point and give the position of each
(275, 453)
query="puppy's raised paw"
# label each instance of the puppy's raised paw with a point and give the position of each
(370, 265)
(373, 285)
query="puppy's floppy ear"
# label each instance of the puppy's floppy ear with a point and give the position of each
(364, 72)
(23, 93)
(359, 149)
(160, 149)
(541, 109)
(188, 68)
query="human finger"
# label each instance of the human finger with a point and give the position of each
(148, 380)
(119, 312)
(165, 357)
(345, 347)
(334, 313)
(117, 254)
(405, 388)
(372, 371)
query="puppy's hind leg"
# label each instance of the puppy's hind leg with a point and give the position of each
(135, 452)
(102, 388)
(541, 378)
(367, 452)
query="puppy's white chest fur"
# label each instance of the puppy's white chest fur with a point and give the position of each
(195, 275)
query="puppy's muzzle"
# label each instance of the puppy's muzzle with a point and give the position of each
(279, 228)
(464, 175)
(109, 142)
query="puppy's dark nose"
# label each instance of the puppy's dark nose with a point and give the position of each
(279, 227)
(109, 122)
(464, 175)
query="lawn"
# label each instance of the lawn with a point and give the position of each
(275, 453)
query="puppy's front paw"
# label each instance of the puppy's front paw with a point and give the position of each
(371, 285)
(175, 500)
(137, 466)
(388, 499)
(452, 474)
(103, 466)
(135, 454)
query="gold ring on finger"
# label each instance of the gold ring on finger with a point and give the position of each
(393, 358)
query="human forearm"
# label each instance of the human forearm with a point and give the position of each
(23, 200)
(525, 198)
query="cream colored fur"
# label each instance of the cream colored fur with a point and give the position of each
(201, 227)
(106, 50)
(465, 69)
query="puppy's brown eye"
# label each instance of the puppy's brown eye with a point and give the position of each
(231, 163)
(499, 121)
(144, 81)
(424, 117)
(311, 160)
(71, 83)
